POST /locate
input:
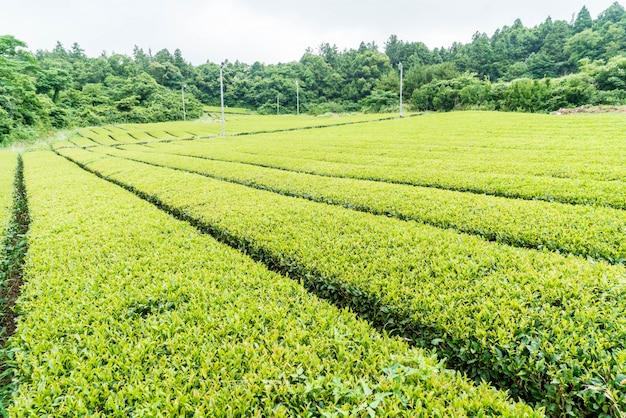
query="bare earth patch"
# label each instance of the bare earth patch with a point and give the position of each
(590, 109)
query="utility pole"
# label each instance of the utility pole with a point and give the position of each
(278, 103)
(222, 98)
(182, 90)
(297, 98)
(400, 67)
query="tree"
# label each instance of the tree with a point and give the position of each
(554, 49)
(613, 39)
(613, 14)
(321, 79)
(141, 58)
(418, 76)
(409, 53)
(572, 91)
(583, 20)
(60, 52)
(181, 64)
(142, 86)
(361, 69)
(76, 53)
(166, 74)
(540, 65)
(481, 55)
(380, 101)
(528, 95)
(53, 81)
(95, 70)
(206, 80)
(609, 76)
(445, 95)
(584, 45)
(122, 65)
(163, 56)
(330, 54)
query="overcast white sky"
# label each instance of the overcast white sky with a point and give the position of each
(268, 31)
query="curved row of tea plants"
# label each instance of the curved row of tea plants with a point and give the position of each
(576, 160)
(564, 190)
(579, 147)
(583, 147)
(9, 259)
(116, 135)
(247, 124)
(129, 312)
(596, 232)
(8, 164)
(542, 325)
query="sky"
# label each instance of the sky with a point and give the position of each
(268, 31)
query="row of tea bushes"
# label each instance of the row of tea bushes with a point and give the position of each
(544, 326)
(510, 185)
(577, 159)
(129, 312)
(116, 135)
(8, 164)
(581, 147)
(595, 232)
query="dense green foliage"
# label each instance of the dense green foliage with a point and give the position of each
(62, 88)
(552, 65)
(128, 312)
(546, 326)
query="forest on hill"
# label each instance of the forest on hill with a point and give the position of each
(552, 65)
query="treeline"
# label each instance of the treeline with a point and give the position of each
(552, 65)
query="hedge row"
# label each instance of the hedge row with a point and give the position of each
(548, 328)
(596, 232)
(8, 163)
(9, 255)
(129, 312)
